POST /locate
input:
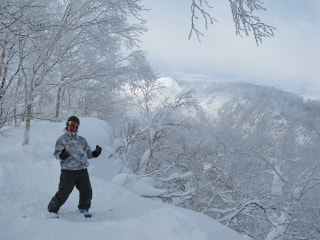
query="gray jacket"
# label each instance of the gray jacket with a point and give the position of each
(78, 148)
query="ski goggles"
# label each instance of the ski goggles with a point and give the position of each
(73, 124)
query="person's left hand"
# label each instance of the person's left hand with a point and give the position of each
(96, 152)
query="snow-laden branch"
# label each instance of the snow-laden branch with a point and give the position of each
(243, 17)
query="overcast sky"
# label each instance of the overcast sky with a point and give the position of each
(290, 60)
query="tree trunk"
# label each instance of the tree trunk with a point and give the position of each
(28, 110)
(2, 56)
(28, 123)
(58, 100)
(150, 152)
(2, 85)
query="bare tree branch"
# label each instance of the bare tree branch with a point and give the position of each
(243, 16)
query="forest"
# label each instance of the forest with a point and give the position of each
(245, 155)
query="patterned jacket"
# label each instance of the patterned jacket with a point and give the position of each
(78, 148)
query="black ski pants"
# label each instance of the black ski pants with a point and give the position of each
(69, 179)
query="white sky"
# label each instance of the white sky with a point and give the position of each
(290, 60)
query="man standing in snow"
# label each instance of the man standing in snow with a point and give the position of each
(73, 151)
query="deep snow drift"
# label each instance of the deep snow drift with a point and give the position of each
(29, 177)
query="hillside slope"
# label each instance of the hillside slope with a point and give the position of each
(29, 177)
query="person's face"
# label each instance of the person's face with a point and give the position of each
(72, 126)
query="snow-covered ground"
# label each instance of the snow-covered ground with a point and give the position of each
(29, 177)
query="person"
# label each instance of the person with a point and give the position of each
(73, 151)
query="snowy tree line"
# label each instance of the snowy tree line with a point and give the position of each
(54, 50)
(249, 161)
(71, 53)
(249, 158)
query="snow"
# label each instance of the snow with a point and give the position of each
(29, 177)
(170, 87)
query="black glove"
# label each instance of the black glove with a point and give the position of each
(96, 152)
(64, 154)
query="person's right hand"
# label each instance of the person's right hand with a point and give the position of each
(64, 154)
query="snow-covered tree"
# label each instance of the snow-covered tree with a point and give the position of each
(252, 164)
(67, 52)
